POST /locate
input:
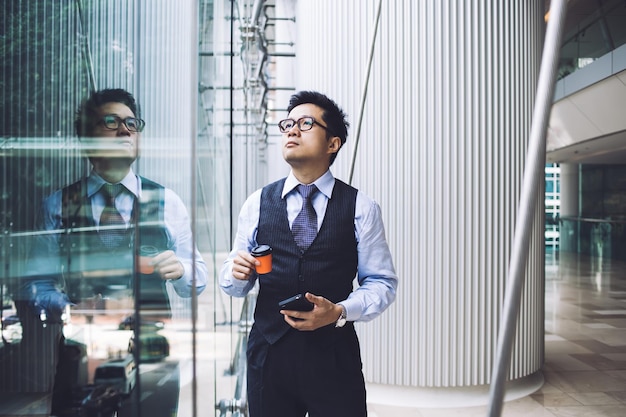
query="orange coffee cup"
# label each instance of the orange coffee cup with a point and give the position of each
(263, 254)
(146, 253)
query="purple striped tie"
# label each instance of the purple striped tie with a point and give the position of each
(304, 227)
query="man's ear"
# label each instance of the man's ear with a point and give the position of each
(334, 144)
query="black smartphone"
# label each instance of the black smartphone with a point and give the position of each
(298, 303)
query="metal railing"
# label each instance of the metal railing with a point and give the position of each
(238, 405)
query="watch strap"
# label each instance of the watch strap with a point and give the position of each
(341, 321)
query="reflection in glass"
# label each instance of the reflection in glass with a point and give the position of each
(66, 296)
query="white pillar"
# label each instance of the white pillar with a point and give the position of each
(570, 190)
(442, 149)
(569, 239)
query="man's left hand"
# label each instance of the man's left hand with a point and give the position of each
(324, 313)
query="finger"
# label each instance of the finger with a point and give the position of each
(162, 257)
(315, 299)
(247, 258)
(290, 313)
(242, 273)
(242, 265)
(296, 323)
(244, 269)
(241, 276)
(173, 270)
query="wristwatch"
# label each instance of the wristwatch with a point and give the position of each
(341, 321)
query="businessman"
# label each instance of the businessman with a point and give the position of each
(323, 234)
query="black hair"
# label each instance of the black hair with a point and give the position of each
(87, 112)
(333, 115)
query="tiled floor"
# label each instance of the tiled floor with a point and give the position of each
(585, 368)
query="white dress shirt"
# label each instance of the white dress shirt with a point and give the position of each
(376, 276)
(176, 221)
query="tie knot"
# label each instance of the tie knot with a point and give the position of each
(112, 190)
(306, 191)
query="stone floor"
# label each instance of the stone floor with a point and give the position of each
(585, 367)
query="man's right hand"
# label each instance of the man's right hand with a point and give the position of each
(244, 265)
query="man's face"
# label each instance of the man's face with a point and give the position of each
(311, 145)
(109, 142)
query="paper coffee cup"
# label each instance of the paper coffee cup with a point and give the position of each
(146, 253)
(263, 254)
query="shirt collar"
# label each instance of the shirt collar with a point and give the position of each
(325, 184)
(131, 182)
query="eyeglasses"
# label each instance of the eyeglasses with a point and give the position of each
(304, 123)
(112, 122)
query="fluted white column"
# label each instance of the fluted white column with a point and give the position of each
(442, 149)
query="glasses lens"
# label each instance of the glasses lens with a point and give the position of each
(132, 124)
(286, 125)
(140, 125)
(110, 122)
(306, 123)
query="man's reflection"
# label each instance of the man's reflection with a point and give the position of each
(95, 233)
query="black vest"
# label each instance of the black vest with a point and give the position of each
(326, 268)
(90, 268)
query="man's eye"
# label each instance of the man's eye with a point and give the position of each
(109, 121)
(307, 122)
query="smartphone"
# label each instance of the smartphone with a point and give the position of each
(298, 303)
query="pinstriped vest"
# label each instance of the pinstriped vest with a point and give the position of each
(81, 244)
(326, 268)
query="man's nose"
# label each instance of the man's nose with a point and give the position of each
(122, 130)
(295, 129)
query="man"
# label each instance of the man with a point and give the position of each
(97, 226)
(309, 361)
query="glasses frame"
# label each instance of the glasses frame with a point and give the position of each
(140, 123)
(299, 124)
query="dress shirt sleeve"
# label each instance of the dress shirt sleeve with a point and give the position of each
(43, 259)
(245, 239)
(376, 273)
(179, 227)
(42, 285)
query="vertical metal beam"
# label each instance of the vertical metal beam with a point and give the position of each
(535, 163)
(86, 50)
(193, 118)
(364, 96)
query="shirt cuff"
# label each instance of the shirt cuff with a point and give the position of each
(353, 309)
(239, 283)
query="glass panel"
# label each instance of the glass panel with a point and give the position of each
(199, 72)
(593, 33)
(88, 328)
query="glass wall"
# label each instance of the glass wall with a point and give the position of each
(552, 207)
(86, 329)
(593, 30)
(600, 228)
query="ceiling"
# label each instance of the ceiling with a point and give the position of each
(587, 125)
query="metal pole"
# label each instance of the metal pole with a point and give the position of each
(86, 51)
(364, 97)
(528, 198)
